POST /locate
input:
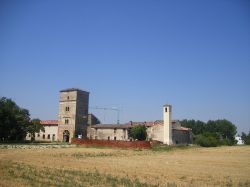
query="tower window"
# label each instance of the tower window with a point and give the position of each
(166, 109)
(48, 136)
(66, 121)
(68, 97)
(114, 130)
(67, 108)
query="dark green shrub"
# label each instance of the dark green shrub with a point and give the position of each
(227, 142)
(139, 132)
(207, 140)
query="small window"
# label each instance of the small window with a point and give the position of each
(48, 136)
(166, 109)
(115, 138)
(29, 135)
(43, 136)
(108, 138)
(114, 130)
(66, 121)
(68, 97)
(38, 135)
(66, 108)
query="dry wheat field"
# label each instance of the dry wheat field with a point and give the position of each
(91, 166)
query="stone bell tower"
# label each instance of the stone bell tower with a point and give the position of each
(73, 114)
(167, 125)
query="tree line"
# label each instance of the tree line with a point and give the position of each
(213, 132)
(15, 122)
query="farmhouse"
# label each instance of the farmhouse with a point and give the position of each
(75, 121)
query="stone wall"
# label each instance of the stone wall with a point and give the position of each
(155, 132)
(73, 113)
(67, 99)
(107, 134)
(182, 137)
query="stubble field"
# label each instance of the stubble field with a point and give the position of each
(81, 166)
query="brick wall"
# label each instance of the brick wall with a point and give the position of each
(113, 143)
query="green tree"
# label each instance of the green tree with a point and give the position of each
(246, 138)
(34, 127)
(226, 129)
(197, 127)
(139, 132)
(13, 120)
(223, 129)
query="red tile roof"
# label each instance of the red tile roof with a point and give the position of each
(111, 126)
(49, 122)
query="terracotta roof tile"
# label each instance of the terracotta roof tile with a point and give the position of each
(110, 126)
(49, 122)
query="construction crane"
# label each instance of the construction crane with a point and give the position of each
(112, 108)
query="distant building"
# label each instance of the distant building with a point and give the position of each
(74, 121)
(50, 134)
(239, 140)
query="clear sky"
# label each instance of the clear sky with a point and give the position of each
(133, 54)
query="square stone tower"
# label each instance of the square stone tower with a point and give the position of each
(73, 114)
(167, 125)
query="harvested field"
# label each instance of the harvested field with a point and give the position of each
(82, 166)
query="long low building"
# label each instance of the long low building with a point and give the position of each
(180, 135)
(50, 131)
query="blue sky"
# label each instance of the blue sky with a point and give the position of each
(136, 55)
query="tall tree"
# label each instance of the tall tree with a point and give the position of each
(13, 120)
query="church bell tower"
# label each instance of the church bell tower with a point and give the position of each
(167, 125)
